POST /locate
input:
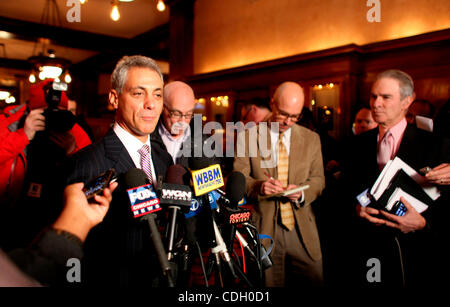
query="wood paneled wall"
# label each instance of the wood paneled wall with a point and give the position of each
(424, 57)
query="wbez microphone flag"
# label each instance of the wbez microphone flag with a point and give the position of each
(207, 179)
(143, 199)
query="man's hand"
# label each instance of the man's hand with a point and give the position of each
(439, 175)
(79, 216)
(369, 214)
(409, 222)
(34, 121)
(295, 196)
(271, 186)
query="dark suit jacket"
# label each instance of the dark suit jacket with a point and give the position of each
(418, 149)
(118, 251)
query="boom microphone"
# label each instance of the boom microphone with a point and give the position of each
(143, 204)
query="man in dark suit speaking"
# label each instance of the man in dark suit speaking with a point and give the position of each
(119, 251)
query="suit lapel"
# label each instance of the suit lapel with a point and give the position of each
(407, 144)
(264, 136)
(115, 151)
(296, 143)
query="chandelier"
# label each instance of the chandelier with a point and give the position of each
(45, 64)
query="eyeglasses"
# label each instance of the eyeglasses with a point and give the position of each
(283, 116)
(177, 114)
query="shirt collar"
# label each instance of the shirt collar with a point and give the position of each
(164, 132)
(131, 143)
(397, 130)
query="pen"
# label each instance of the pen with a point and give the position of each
(268, 176)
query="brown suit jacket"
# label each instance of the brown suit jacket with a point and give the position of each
(305, 167)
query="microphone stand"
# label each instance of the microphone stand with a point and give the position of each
(172, 231)
(159, 248)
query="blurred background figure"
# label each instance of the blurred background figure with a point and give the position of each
(80, 120)
(442, 121)
(363, 121)
(419, 107)
(256, 111)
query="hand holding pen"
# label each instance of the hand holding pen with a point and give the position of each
(271, 185)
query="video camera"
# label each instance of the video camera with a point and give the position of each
(56, 119)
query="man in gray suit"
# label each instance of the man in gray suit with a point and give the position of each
(296, 254)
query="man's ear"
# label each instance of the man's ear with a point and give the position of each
(113, 99)
(409, 100)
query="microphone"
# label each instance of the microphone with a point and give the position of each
(206, 175)
(177, 195)
(144, 203)
(235, 191)
(176, 192)
(235, 188)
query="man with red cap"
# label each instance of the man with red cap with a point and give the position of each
(28, 158)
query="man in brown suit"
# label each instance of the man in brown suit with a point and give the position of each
(290, 221)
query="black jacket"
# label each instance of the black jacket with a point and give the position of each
(119, 250)
(418, 251)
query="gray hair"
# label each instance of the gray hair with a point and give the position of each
(119, 75)
(405, 81)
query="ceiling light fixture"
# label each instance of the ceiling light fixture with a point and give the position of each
(115, 14)
(4, 94)
(161, 6)
(46, 65)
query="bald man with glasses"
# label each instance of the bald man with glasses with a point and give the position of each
(178, 110)
(297, 160)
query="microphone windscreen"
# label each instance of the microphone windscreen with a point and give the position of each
(177, 174)
(135, 177)
(235, 188)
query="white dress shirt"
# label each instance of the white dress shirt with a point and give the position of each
(173, 145)
(132, 145)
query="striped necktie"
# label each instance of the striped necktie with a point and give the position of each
(287, 215)
(146, 160)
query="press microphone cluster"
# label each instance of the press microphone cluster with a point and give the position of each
(198, 217)
(225, 216)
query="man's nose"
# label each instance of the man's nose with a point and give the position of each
(376, 101)
(149, 102)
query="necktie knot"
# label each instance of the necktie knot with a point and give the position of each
(144, 150)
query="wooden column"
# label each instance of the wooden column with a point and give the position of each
(181, 39)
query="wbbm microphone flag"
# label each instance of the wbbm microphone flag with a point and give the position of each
(207, 179)
(143, 200)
